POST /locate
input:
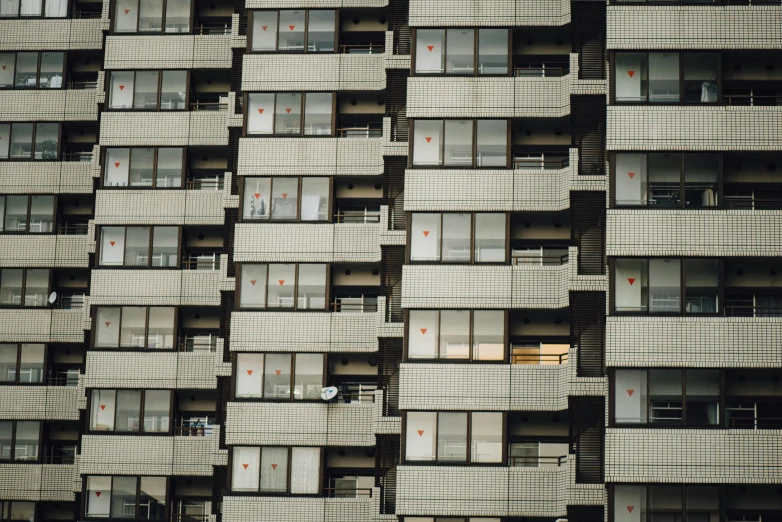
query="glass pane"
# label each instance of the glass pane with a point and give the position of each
(177, 16)
(454, 334)
(256, 198)
(420, 435)
(157, 411)
(665, 180)
(52, 65)
(26, 447)
(245, 469)
(630, 285)
(277, 376)
(264, 31)
(288, 113)
(460, 57)
(142, 162)
(631, 496)
(492, 143)
(126, 16)
(486, 433)
(703, 397)
(116, 168)
(488, 335)
(253, 286)
(429, 51)
(630, 179)
(700, 180)
(146, 94)
(123, 497)
(451, 436)
(21, 141)
(492, 51)
(456, 238)
(312, 287)
(318, 114)
(161, 327)
(702, 279)
(281, 286)
(102, 410)
(30, 7)
(665, 396)
(5, 140)
(22, 511)
(128, 411)
(6, 439)
(260, 112)
(173, 90)
(98, 496)
(152, 494)
(133, 327)
(137, 246)
(169, 167)
(150, 18)
(291, 31)
(7, 68)
(308, 381)
(458, 143)
(427, 144)
(490, 238)
(315, 199)
(11, 286)
(425, 237)
(41, 214)
(36, 292)
(121, 93)
(422, 334)
(631, 77)
(165, 241)
(47, 136)
(700, 77)
(664, 77)
(107, 321)
(26, 70)
(8, 353)
(285, 198)
(305, 471)
(630, 396)
(9, 8)
(320, 31)
(665, 285)
(274, 470)
(31, 367)
(249, 379)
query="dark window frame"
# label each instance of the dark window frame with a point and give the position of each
(4, 220)
(472, 261)
(33, 140)
(157, 108)
(302, 116)
(68, 13)
(37, 87)
(150, 251)
(15, 381)
(155, 152)
(508, 139)
(85, 500)
(12, 454)
(24, 289)
(476, 50)
(329, 212)
(291, 398)
(142, 413)
(287, 492)
(295, 306)
(119, 347)
(113, 17)
(305, 50)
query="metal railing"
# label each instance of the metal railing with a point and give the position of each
(193, 431)
(72, 230)
(58, 459)
(755, 423)
(189, 518)
(752, 202)
(353, 307)
(198, 343)
(86, 15)
(82, 85)
(62, 381)
(360, 132)
(362, 49)
(346, 492)
(752, 311)
(536, 358)
(554, 71)
(208, 106)
(521, 259)
(213, 28)
(536, 461)
(762, 100)
(347, 216)
(201, 264)
(355, 397)
(540, 163)
(205, 184)
(70, 301)
(82, 157)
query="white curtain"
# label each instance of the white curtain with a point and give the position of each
(56, 8)
(245, 469)
(9, 7)
(274, 470)
(305, 470)
(30, 8)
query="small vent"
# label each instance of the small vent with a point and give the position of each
(587, 437)
(394, 191)
(388, 359)
(588, 218)
(588, 331)
(588, 114)
(387, 453)
(589, 38)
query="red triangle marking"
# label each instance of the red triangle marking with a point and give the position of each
(420, 433)
(426, 233)
(630, 509)
(122, 87)
(631, 280)
(4, 66)
(284, 195)
(249, 372)
(264, 27)
(630, 392)
(253, 281)
(112, 243)
(430, 47)
(245, 466)
(288, 110)
(127, 11)
(116, 164)
(631, 174)
(428, 139)
(292, 27)
(278, 372)
(274, 466)
(257, 195)
(281, 281)
(631, 73)
(102, 406)
(423, 331)
(108, 323)
(97, 493)
(260, 111)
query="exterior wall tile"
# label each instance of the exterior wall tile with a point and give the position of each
(38, 403)
(37, 177)
(50, 35)
(150, 370)
(41, 326)
(31, 250)
(159, 207)
(168, 52)
(49, 105)
(313, 72)
(155, 287)
(170, 129)
(36, 482)
(292, 509)
(501, 13)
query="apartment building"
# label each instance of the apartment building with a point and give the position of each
(390, 260)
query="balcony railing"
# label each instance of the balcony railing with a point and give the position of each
(753, 100)
(79, 229)
(208, 106)
(362, 49)
(361, 132)
(536, 358)
(544, 71)
(213, 28)
(347, 492)
(198, 343)
(70, 301)
(202, 263)
(752, 311)
(341, 306)
(528, 259)
(751, 202)
(357, 216)
(62, 381)
(81, 157)
(193, 431)
(535, 461)
(205, 184)
(541, 163)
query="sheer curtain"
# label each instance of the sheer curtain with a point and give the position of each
(9, 7)
(56, 8)
(30, 8)
(305, 470)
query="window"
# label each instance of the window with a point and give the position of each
(658, 180)
(139, 246)
(470, 335)
(451, 519)
(276, 286)
(27, 358)
(656, 286)
(28, 214)
(666, 78)
(135, 498)
(130, 411)
(670, 503)
(152, 16)
(24, 287)
(33, 8)
(31, 70)
(30, 141)
(148, 90)
(277, 199)
(276, 469)
(452, 51)
(19, 440)
(291, 114)
(460, 143)
(279, 376)
(443, 437)
(140, 167)
(151, 327)
(458, 238)
(13, 511)
(287, 30)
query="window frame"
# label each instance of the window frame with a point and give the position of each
(682, 287)
(24, 290)
(142, 401)
(107, 89)
(287, 493)
(329, 212)
(251, 13)
(119, 347)
(302, 115)
(13, 459)
(68, 13)
(473, 215)
(681, 56)
(291, 398)
(508, 145)
(113, 17)
(38, 68)
(155, 153)
(33, 140)
(124, 266)
(468, 457)
(469, 360)
(476, 49)
(295, 307)
(16, 381)
(3, 220)
(85, 500)
(719, 203)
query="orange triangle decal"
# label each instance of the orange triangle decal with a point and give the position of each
(630, 392)
(630, 509)
(631, 280)
(108, 323)
(274, 466)
(112, 242)
(428, 139)
(245, 466)
(116, 165)
(264, 27)
(257, 195)
(249, 372)
(631, 174)
(284, 195)
(278, 372)
(260, 111)
(292, 27)
(102, 406)
(281, 281)
(253, 281)
(122, 87)
(430, 47)
(288, 110)
(97, 493)
(631, 73)
(426, 233)
(420, 433)
(4, 66)
(127, 11)
(423, 331)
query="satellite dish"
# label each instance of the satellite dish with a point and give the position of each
(52, 297)
(328, 393)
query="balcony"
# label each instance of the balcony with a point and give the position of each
(37, 482)
(693, 456)
(45, 177)
(499, 12)
(524, 285)
(175, 129)
(145, 207)
(39, 402)
(155, 287)
(168, 51)
(43, 325)
(491, 491)
(46, 251)
(49, 105)
(296, 509)
(52, 34)
(164, 370)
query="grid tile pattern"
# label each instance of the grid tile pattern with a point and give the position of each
(36, 482)
(41, 326)
(50, 35)
(43, 251)
(168, 52)
(170, 129)
(159, 207)
(292, 509)
(44, 177)
(155, 287)
(150, 370)
(38, 403)
(49, 105)
(313, 72)
(489, 12)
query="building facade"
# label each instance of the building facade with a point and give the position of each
(390, 260)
